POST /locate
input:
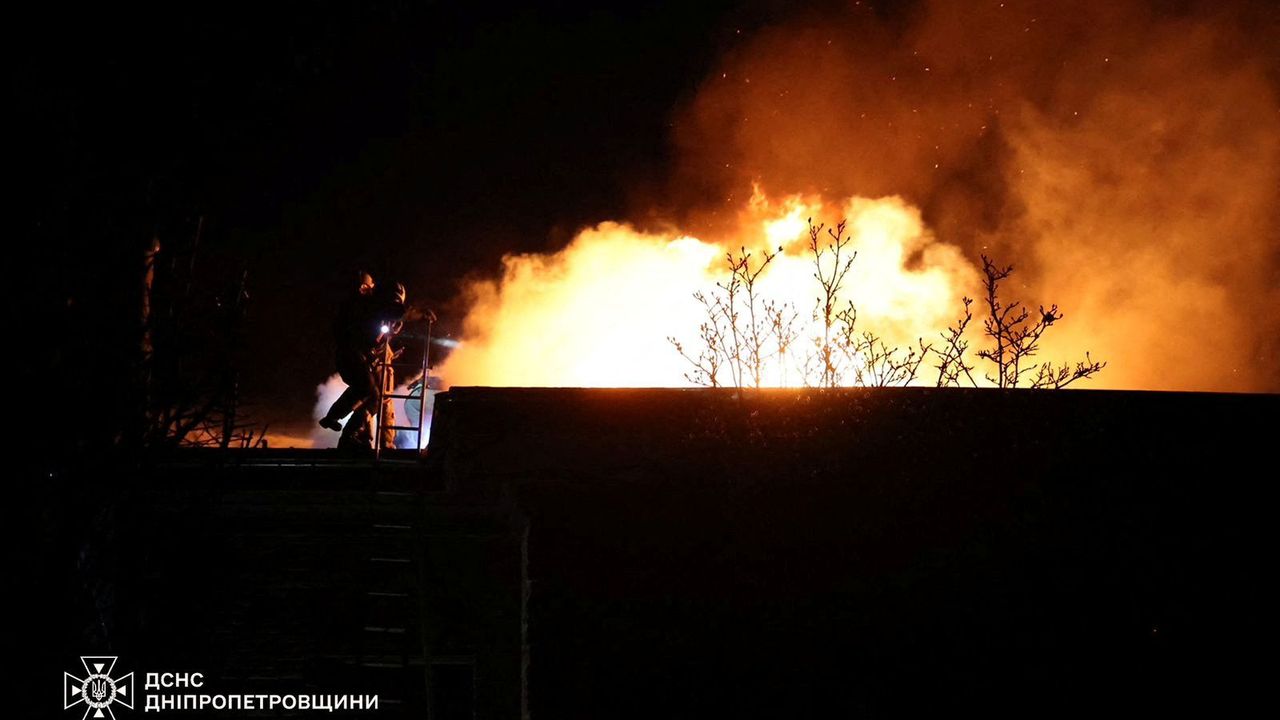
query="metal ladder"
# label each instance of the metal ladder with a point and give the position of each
(385, 368)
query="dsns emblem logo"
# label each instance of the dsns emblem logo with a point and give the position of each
(98, 689)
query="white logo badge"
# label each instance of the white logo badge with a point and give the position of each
(98, 689)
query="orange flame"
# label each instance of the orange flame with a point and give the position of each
(1124, 155)
(599, 312)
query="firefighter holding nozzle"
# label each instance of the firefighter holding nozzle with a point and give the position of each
(367, 320)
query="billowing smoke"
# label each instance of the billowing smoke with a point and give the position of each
(1124, 156)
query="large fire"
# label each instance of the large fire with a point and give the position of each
(598, 313)
(1123, 156)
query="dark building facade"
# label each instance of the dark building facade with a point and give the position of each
(566, 553)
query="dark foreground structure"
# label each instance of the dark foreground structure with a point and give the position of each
(667, 553)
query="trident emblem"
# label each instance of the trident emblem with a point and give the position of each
(98, 690)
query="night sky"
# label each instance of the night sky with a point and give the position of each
(418, 140)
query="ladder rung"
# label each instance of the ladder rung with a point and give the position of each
(403, 427)
(398, 396)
